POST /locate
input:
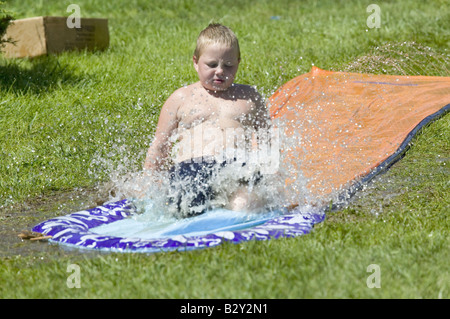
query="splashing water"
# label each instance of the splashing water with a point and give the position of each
(407, 58)
(150, 191)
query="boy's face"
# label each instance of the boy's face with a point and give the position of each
(217, 67)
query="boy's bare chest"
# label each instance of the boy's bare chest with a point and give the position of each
(215, 112)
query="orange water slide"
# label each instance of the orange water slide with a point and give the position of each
(351, 124)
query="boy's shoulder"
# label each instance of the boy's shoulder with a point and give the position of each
(245, 88)
(241, 91)
(185, 90)
(245, 91)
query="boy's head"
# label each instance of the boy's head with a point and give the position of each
(216, 57)
(216, 34)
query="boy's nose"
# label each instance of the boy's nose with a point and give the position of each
(219, 70)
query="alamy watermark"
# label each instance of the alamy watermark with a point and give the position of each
(74, 20)
(374, 280)
(373, 20)
(232, 144)
(74, 279)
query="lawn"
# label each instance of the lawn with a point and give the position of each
(72, 121)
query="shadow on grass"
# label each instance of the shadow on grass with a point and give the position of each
(42, 74)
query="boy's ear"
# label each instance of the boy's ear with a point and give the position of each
(194, 59)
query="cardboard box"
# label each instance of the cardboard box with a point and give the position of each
(43, 35)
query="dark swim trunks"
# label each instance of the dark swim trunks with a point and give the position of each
(191, 184)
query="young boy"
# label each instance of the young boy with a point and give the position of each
(212, 123)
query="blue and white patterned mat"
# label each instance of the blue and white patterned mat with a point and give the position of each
(112, 227)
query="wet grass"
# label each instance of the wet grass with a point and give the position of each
(68, 122)
(405, 234)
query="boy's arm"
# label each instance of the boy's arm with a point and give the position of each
(261, 121)
(158, 153)
(260, 118)
(266, 138)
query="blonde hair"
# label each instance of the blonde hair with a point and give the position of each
(216, 33)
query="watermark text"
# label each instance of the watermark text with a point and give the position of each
(374, 280)
(74, 20)
(74, 280)
(374, 19)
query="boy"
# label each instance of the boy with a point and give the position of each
(212, 122)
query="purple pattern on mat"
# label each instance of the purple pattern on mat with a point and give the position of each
(74, 230)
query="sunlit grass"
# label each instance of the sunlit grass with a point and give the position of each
(70, 120)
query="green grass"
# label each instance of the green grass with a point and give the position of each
(72, 120)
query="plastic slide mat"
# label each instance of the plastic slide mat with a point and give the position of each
(351, 128)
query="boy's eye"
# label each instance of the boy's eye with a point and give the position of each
(214, 65)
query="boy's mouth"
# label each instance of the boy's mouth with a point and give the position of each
(218, 81)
